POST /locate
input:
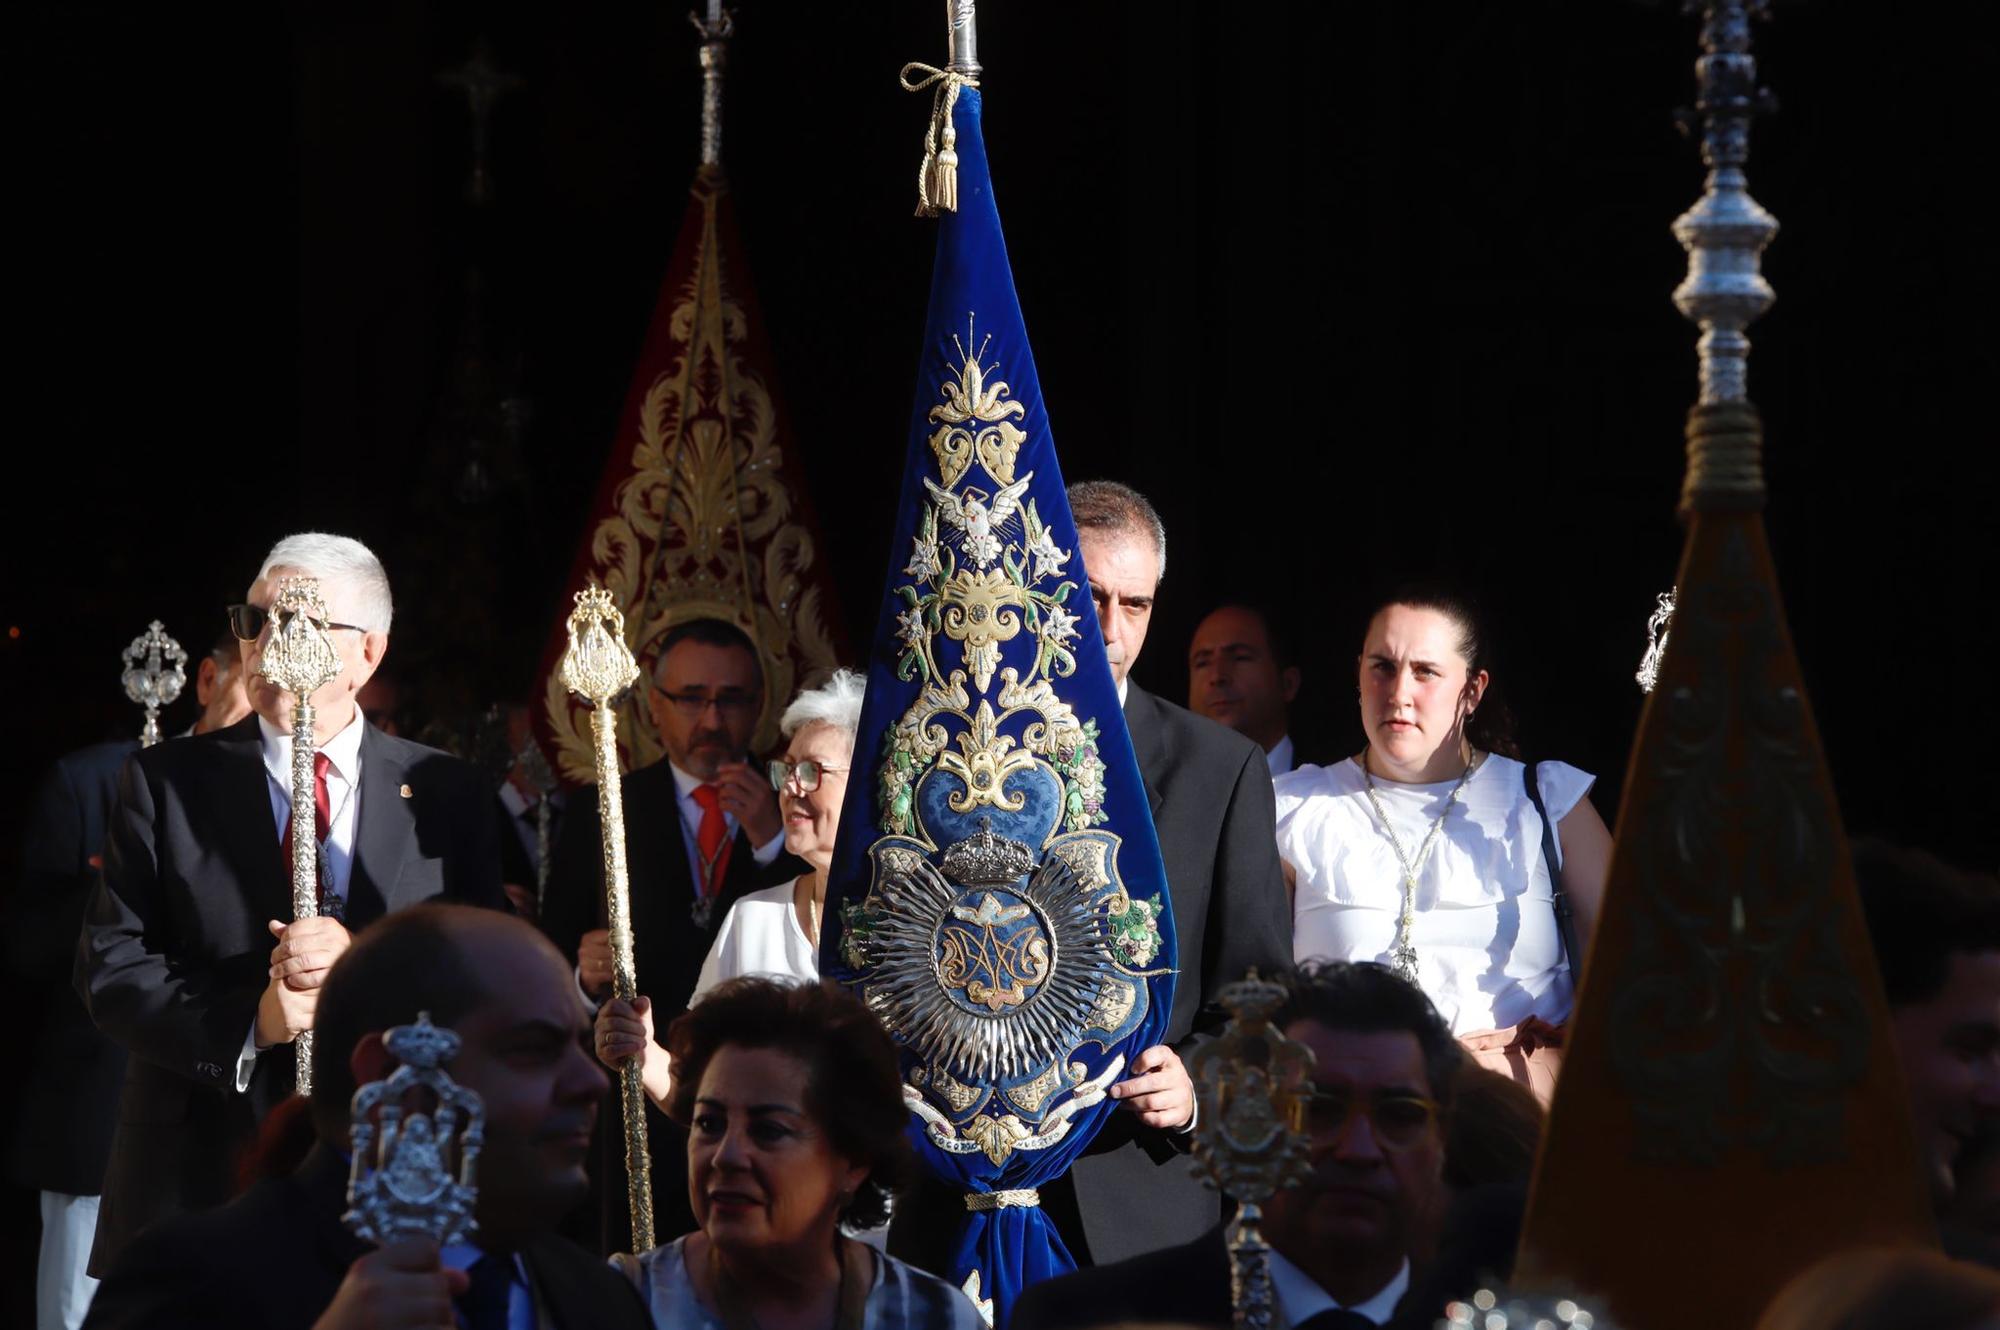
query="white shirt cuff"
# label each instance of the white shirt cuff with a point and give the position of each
(1194, 1116)
(246, 1061)
(590, 1003)
(769, 850)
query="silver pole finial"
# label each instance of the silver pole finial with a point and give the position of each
(964, 26)
(1726, 231)
(715, 31)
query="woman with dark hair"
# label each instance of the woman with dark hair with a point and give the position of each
(795, 1120)
(1427, 850)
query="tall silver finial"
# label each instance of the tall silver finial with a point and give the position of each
(1726, 231)
(715, 31)
(155, 673)
(964, 26)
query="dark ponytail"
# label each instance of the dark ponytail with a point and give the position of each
(1491, 727)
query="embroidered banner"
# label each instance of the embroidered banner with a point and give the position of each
(701, 513)
(997, 895)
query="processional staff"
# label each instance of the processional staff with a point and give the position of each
(1251, 1086)
(415, 1138)
(597, 667)
(299, 658)
(155, 673)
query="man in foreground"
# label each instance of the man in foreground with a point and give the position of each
(1341, 1239)
(278, 1257)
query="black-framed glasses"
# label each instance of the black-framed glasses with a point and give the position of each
(1399, 1120)
(806, 773)
(247, 622)
(692, 703)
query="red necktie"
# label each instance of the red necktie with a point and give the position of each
(322, 818)
(713, 838)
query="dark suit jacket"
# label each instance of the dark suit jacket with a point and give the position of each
(1183, 1285)
(275, 1257)
(1134, 1189)
(175, 952)
(668, 948)
(69, 1092)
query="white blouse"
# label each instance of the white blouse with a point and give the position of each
(1489, 954)
(760, 935)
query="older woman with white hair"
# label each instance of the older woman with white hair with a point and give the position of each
(773, 932)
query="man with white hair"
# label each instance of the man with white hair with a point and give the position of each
(176, 960)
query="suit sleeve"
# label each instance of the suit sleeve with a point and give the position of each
(47, 911)
(159, 1282)
(477, 878)
(187, 1019)
(1249, 922)
(576, 875)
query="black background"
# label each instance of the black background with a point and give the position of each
(1354, 292)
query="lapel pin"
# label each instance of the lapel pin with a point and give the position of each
(405, 792)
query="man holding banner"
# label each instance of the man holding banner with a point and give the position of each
(1001, 901)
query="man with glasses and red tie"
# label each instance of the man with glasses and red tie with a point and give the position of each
(177, 961)
(701, 830)
(1353, 1245)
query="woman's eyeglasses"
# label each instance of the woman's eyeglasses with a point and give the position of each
(1399, 1121)
(247, 622)
(806, 773)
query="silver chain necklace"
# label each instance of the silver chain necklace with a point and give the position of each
(1403, 956)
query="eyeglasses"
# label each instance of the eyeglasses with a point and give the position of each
(692, 704)
(807, 773)
(247, 622)
(1399, 1121)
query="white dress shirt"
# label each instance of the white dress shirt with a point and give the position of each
(1280, 758)
(1299, 1297)
(690, 811)
(343, 797)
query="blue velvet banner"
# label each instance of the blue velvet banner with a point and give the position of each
(997, 895)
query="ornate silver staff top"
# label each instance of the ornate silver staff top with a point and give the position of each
(299, 657)
(155, 673)
(1725, 232)
(1251, 1085)
(403, 1183)
(715, 30)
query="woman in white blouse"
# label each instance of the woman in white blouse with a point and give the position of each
(773, 932)
(1425, 851)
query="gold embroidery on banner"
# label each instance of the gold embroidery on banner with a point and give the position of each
(1086, 860)
(1112, 1005)
(996, 1136)
(959, 1095)
(971, 400)
(987, 759)
(1036, 1092)
(703, 526)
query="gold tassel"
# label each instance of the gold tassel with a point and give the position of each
(937, 177)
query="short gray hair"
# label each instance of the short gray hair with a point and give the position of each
(1108, 505)
(344, 561)
(837, 702)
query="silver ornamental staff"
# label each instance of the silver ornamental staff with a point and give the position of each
(535, 767)
(299, 658)
(597, 667)
(155, 673)
(402, 1183)
(1251, 1087)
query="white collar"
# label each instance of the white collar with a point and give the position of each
(1299, 1297)
(343, 750)
(1124, 687)
(685, 783)
(1280, 758)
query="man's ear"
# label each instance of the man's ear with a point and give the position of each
(370, 1061)
(204, 681)
(1289, 679)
